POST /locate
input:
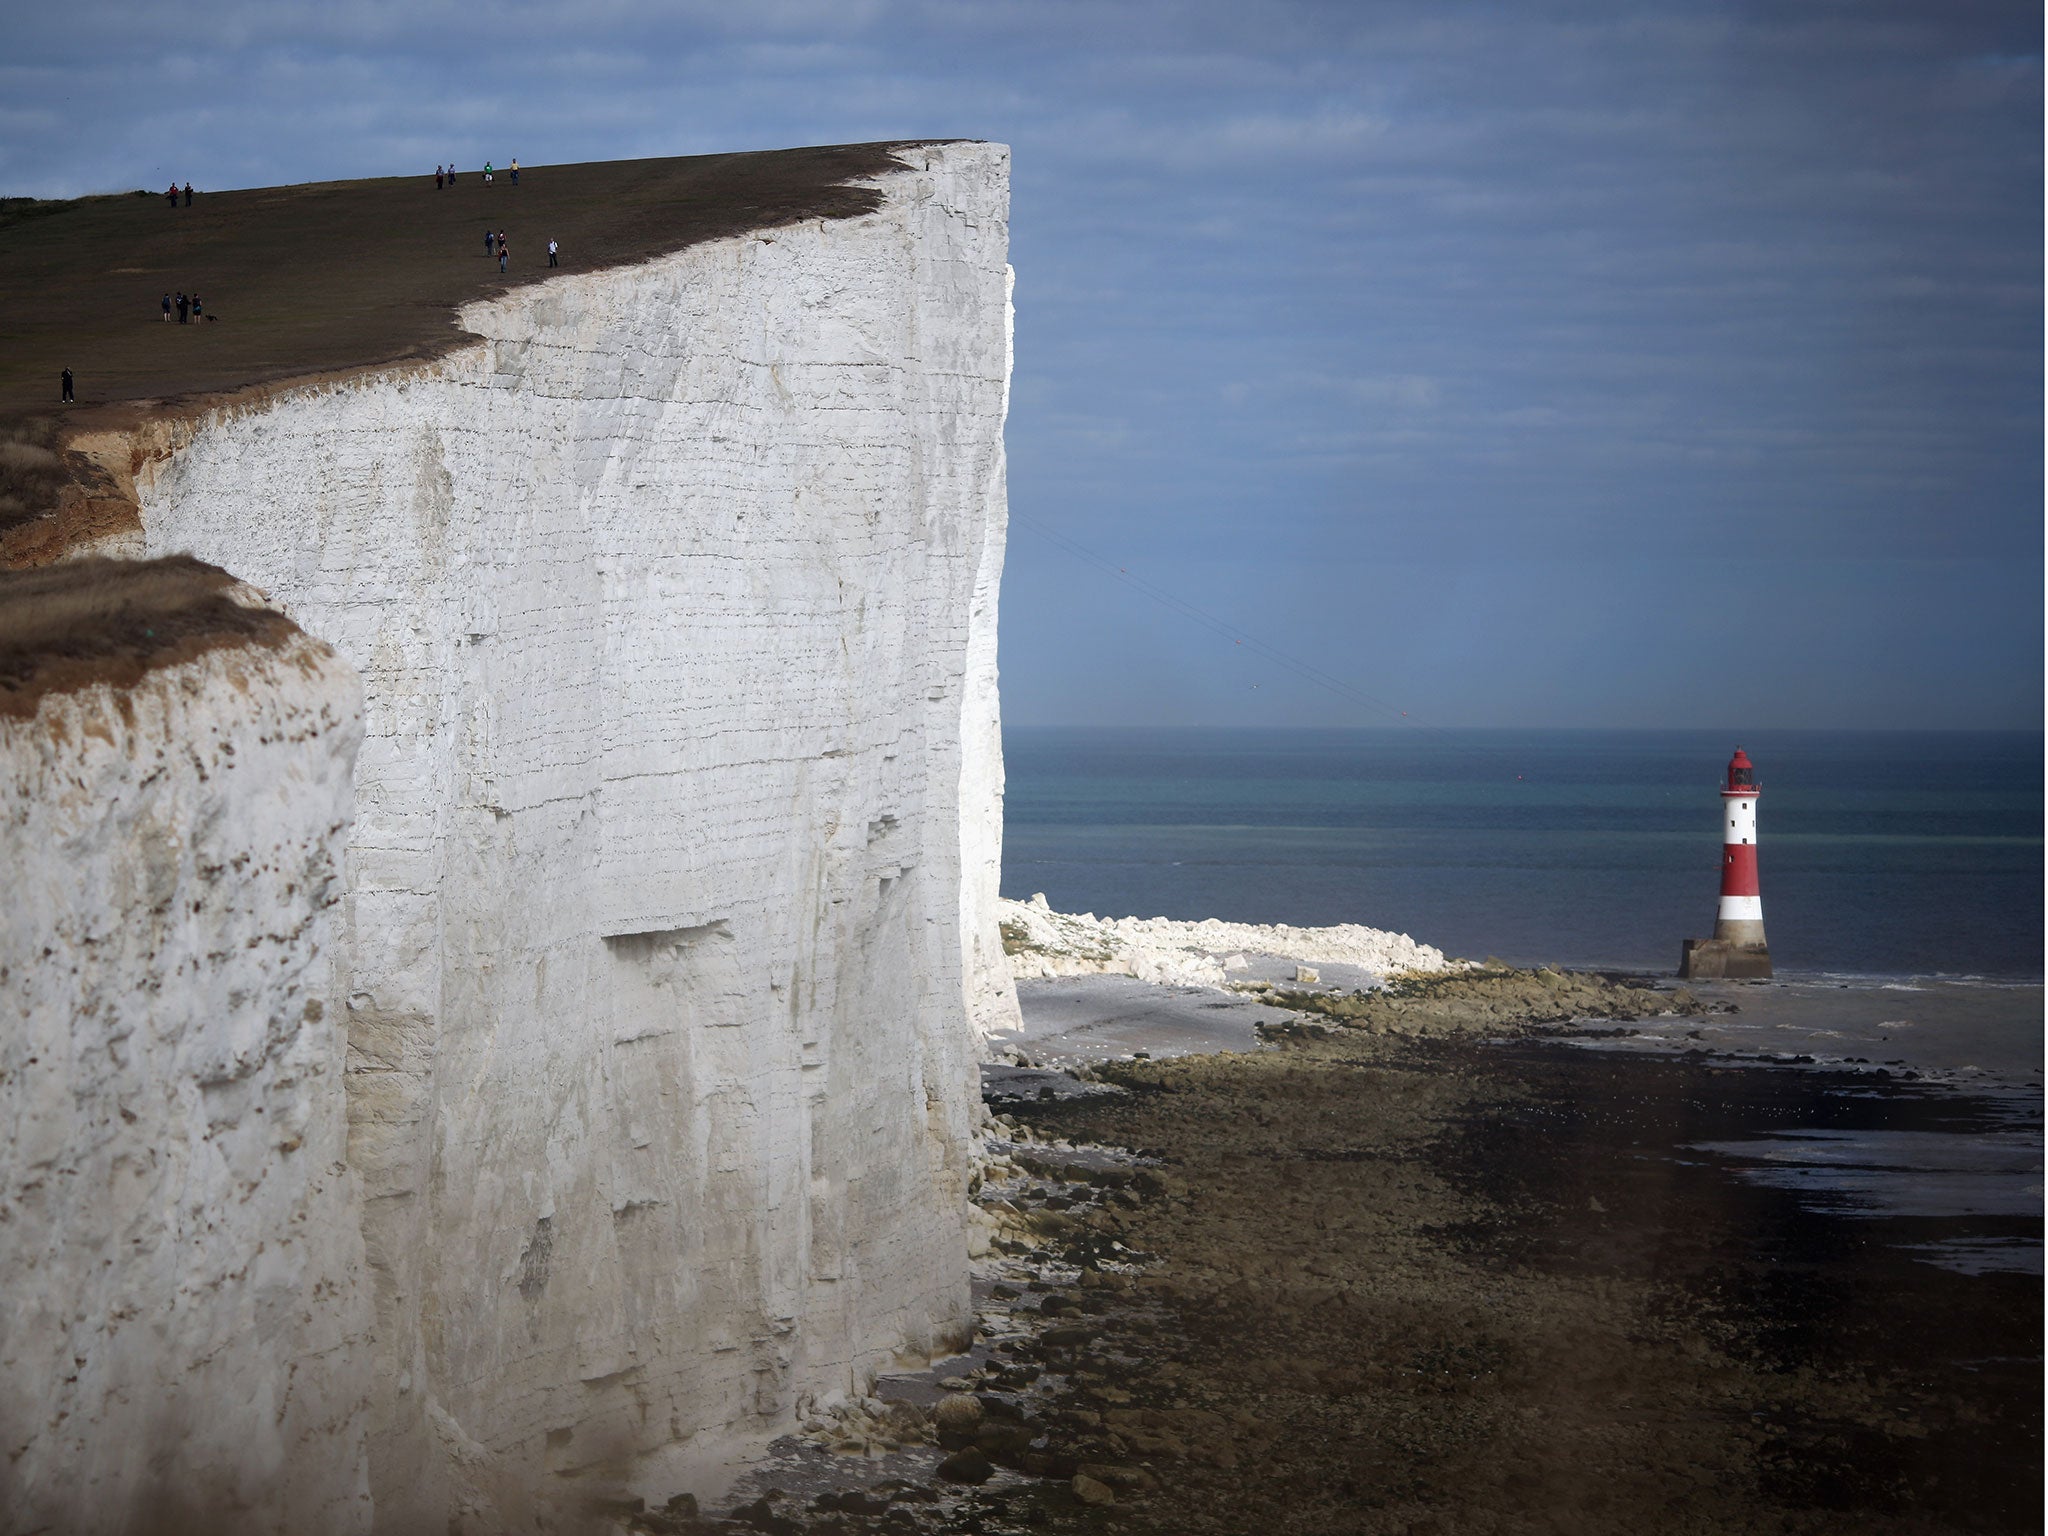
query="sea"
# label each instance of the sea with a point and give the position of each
(1901, 874)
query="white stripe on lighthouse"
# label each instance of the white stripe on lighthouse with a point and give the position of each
(1735, 909)
(1740, 821)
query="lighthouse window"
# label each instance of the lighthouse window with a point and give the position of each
(1745, 805)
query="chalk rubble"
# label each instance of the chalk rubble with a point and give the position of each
(1045, 943)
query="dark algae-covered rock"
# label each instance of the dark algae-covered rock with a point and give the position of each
(1490, 1000)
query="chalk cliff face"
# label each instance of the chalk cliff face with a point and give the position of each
(669, 907)
(183, 1335)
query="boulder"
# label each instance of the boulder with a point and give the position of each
(966, 1466)
(1090, 1491)
(956, 1419)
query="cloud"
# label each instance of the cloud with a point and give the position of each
(1562, 281)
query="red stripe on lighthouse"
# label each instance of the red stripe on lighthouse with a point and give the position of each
(1738, 870)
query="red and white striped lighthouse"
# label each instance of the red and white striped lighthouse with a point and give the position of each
(1737, 948)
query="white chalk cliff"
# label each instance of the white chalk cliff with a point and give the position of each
(666, 934)
(182, 1342)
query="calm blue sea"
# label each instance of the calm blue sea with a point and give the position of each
(1881, 854)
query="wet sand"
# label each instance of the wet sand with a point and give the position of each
(1084, 1020)
(1414, 1279)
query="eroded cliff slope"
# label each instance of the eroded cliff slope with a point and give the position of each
(184, 1338)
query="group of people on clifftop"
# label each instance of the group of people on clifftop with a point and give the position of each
(171, 196)
(494, 239)
(189, 308)
(495, 245)
(444, 176)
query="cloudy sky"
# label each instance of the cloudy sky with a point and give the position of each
(1533, 363)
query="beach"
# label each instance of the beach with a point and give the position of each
(1453, 1284)
(1482, 1250)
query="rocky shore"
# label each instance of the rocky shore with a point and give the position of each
(1411, 1269)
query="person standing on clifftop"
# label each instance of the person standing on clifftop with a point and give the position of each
(504, 253)
(437, 178)
(188, 194)
(515, 170)
(551, 254)
(184, 307)
(490, 243)
(67, 386)
(167, 309)
(487, 170)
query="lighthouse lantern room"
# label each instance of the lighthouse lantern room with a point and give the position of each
(1737, 949)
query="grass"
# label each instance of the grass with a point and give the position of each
(79, 622)
(336, 275)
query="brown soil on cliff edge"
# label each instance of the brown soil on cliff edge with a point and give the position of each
(94, 620)
(335, 276)
(1409, 1278)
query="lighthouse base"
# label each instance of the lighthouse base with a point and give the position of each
(1719, 960)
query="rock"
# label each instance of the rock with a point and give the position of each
(956, 1419)
(683, 1504)
(1235, 963)
(1307, 973)
(762, 1517)
(1004, 1442)
(1090, 1491)
(1057, 1465)
(955, 1384)
(966, 1466)
(1136, 1478)
(1067, 1336)
(852, 1502)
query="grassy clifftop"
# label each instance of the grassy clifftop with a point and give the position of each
(330, 276)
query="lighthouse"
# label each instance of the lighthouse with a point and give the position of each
(1737, 950)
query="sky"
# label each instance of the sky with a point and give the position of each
(1539, 363)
